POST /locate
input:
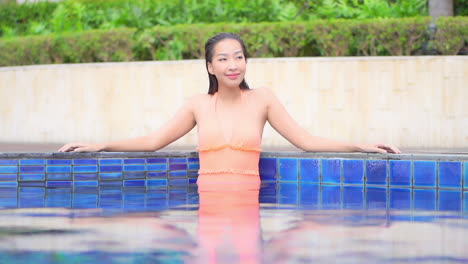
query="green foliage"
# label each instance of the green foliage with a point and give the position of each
(461, 7)
(451, 35)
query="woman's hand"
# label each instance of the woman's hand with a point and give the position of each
(380, 148)
(80, 147)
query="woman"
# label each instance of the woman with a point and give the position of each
(230, 121)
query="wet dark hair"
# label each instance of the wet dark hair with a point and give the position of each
(209, 49)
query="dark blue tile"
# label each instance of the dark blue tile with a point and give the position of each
(331, 197)
(424, 173)
(110, 161)
(59, 177)
(465, 202)
(110, 183)
(4, 162)
(8, 177)
(85, 183)
(400, 199)
(177, 160)
(134, 168)
(161, 174)
(288, 193)
(353, 197)
(85, 161)
(178, 182)
(84, 169)
(268, 193)
(353, 171)
(8, 184)
(400, 172)
(32, 184)
(331, 170)
(465, 172)
(177, 166)
(32, 177)
(8, 169)
(110, 176)
(156, 167)
(192, 174)
(134, 161)
(288, 169)
(178, 174)
(376, 172)
(309, 170)
(85, 176)
(135, 175)
(309, 194)
(424, 200)
(376, 198)
(267, 169)
(59, 162)
(193, 166)
(450, 174)
(32, 162)
(193, 160)
(192, 180)
(450, 200)
(110, 168)
(32, 169)
(59, 169)
(158, 160)
(133, 183)
(59, 184)
(156, 182)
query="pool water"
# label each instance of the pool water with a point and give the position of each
(280, 223)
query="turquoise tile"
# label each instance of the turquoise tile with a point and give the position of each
(288, 169)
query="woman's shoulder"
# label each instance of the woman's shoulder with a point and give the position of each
(263, 92)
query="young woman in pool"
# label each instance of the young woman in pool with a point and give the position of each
(230, 119)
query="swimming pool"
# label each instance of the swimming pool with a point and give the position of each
(312, 207)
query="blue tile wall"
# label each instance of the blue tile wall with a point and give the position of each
(450, 200)
(376, 172)
(353, 197)
(400, 173)
(267, 168)
(353, 171)
(331, 171)
(331, 197)
(424, 174)
(376, 197)
(424, 200)
(400, 199)
(309, 194)
(4, 162)
(465, 172)
(450, 174)
(288, 169)
(310, 170)
(288, 193)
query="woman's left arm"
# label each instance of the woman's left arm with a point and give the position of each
(285, 125)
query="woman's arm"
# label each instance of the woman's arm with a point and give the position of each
(284, 124)
(178, 126)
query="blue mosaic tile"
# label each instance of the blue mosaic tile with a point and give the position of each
(156, 167)
(110, 183)
(110, 161)
(178, 174)
(288, 193)
(59, 177)
(465, 184)
(134, 161)
(376, 172)
(8, 169)
(192, 181)
(133, 183)
(31, 184)
(197, 160)
(59, 184)
(8, 184)
(178, 182)
(353, 197)
(400, 173)
(31, 203)
(4, 162)
(376, 198)
(85, 169)
(59, 162)
(158, 160)
(8, 177)
(309, 194)
(400, 199)
(85, 183)
(32, 177)
(450, 174)
(309, 170)
(194, 166)
(85, 161)
(177, 166)
(134, 168)
(135, 175)
(59, 169)
(267, 167)
(331, 170)
(177, 160)
(85, 176)
(161, 174)
(32, 162)
(353, 171)
(450, 200)
(331, 197)
(288, 170)
(424, 200)
(465, 202)
(31, 192)
(424, 173)
(111, 168)
(52, 202)
(32, 169)
(111, 176)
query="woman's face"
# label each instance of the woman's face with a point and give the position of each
(228, 63)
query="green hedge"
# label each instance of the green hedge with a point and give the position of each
(378, 37)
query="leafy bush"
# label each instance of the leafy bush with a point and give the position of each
(451, 35)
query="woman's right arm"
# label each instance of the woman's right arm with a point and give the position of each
(178, 126)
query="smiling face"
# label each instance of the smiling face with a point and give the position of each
(228, 63)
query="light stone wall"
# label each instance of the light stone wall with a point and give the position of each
(407, 101)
